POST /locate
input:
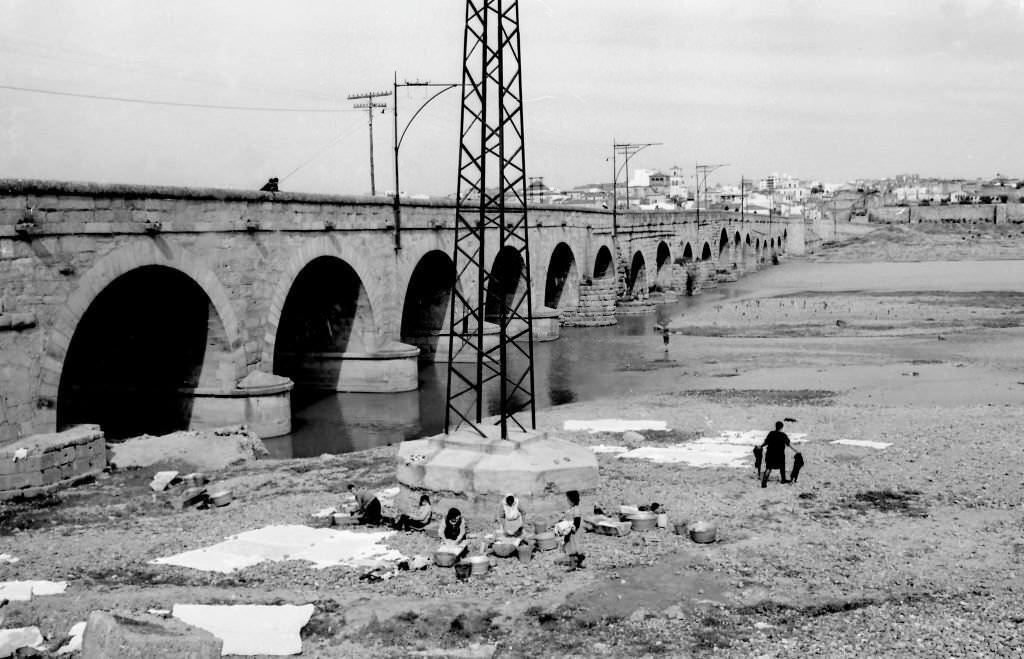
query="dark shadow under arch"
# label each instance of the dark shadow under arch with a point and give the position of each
(507, 285)
(147, 339)
(561, 290)
(327, 310)
(426, 308)
(637, 276)
(603, 265)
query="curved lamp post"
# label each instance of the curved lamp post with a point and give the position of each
(628, 150)
(399, 138)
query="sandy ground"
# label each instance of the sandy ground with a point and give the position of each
(917, 550)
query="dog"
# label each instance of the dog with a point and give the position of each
(758, 455)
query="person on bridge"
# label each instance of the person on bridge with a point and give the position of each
(775, 445)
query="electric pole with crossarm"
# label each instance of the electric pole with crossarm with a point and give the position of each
(370, 106)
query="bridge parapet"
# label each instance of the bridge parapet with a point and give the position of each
(99, 269)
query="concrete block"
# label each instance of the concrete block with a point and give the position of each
(114, 636)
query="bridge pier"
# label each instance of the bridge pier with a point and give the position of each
(391, 368)
(261, 402)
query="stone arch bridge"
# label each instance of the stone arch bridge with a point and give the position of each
(152, 309)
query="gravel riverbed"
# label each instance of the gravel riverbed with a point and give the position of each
(912, 551)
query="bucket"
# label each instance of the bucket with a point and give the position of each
(463, 570)
(662, 520)
(679, 528)
(525, 552)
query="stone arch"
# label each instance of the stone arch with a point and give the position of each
(636, 280)
(663, 257)
(705, 253)
(145, 324)
(562, 285)
(604, 265)
(326, 317)
(723, 243)
(425, 311)
(687, 253)
(324, 246)
(506, 283)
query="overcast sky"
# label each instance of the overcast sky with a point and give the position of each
(829, 89)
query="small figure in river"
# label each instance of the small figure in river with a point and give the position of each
(665, 336)
(775, 445)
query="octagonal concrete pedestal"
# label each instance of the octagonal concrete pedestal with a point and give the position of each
(475, 473)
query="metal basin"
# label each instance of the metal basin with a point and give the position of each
(480, 564)
(643, 520)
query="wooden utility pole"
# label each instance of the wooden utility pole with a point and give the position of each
(370, 106)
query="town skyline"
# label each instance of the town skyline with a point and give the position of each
(822, 90)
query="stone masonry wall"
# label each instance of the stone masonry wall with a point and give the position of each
(41, 464)
(597, 304)
(62, 244)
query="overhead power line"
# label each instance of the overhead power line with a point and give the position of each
(178, 104)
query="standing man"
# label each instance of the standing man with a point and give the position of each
(665, 336)
(775, 445)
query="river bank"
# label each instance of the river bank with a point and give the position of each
(914, 550)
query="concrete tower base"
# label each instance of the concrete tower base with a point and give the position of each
(475, 473)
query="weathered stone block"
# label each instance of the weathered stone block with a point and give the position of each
(114, 636)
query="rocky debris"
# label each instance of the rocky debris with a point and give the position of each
(633, 438)
(125, 636)
(191, 449)
(162, 479)
(72, 642)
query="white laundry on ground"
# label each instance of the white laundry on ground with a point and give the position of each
(614, 425)
(249, 629)
(23, 591)
(865, 443)
(11, 640)
(731, 448)
(76, 633)
(601, 448)
(322, 547)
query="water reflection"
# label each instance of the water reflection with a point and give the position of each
(586, 363)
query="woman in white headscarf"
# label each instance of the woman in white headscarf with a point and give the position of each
(512, 519)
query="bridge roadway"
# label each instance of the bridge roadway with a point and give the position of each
(152, 309)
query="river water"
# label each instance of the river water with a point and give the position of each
(591, 363)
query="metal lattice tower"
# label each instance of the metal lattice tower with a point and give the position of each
(491, 213)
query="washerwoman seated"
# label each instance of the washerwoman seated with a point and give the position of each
(367, 508)
(511, 518)
(418, 520)
(452, 531)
